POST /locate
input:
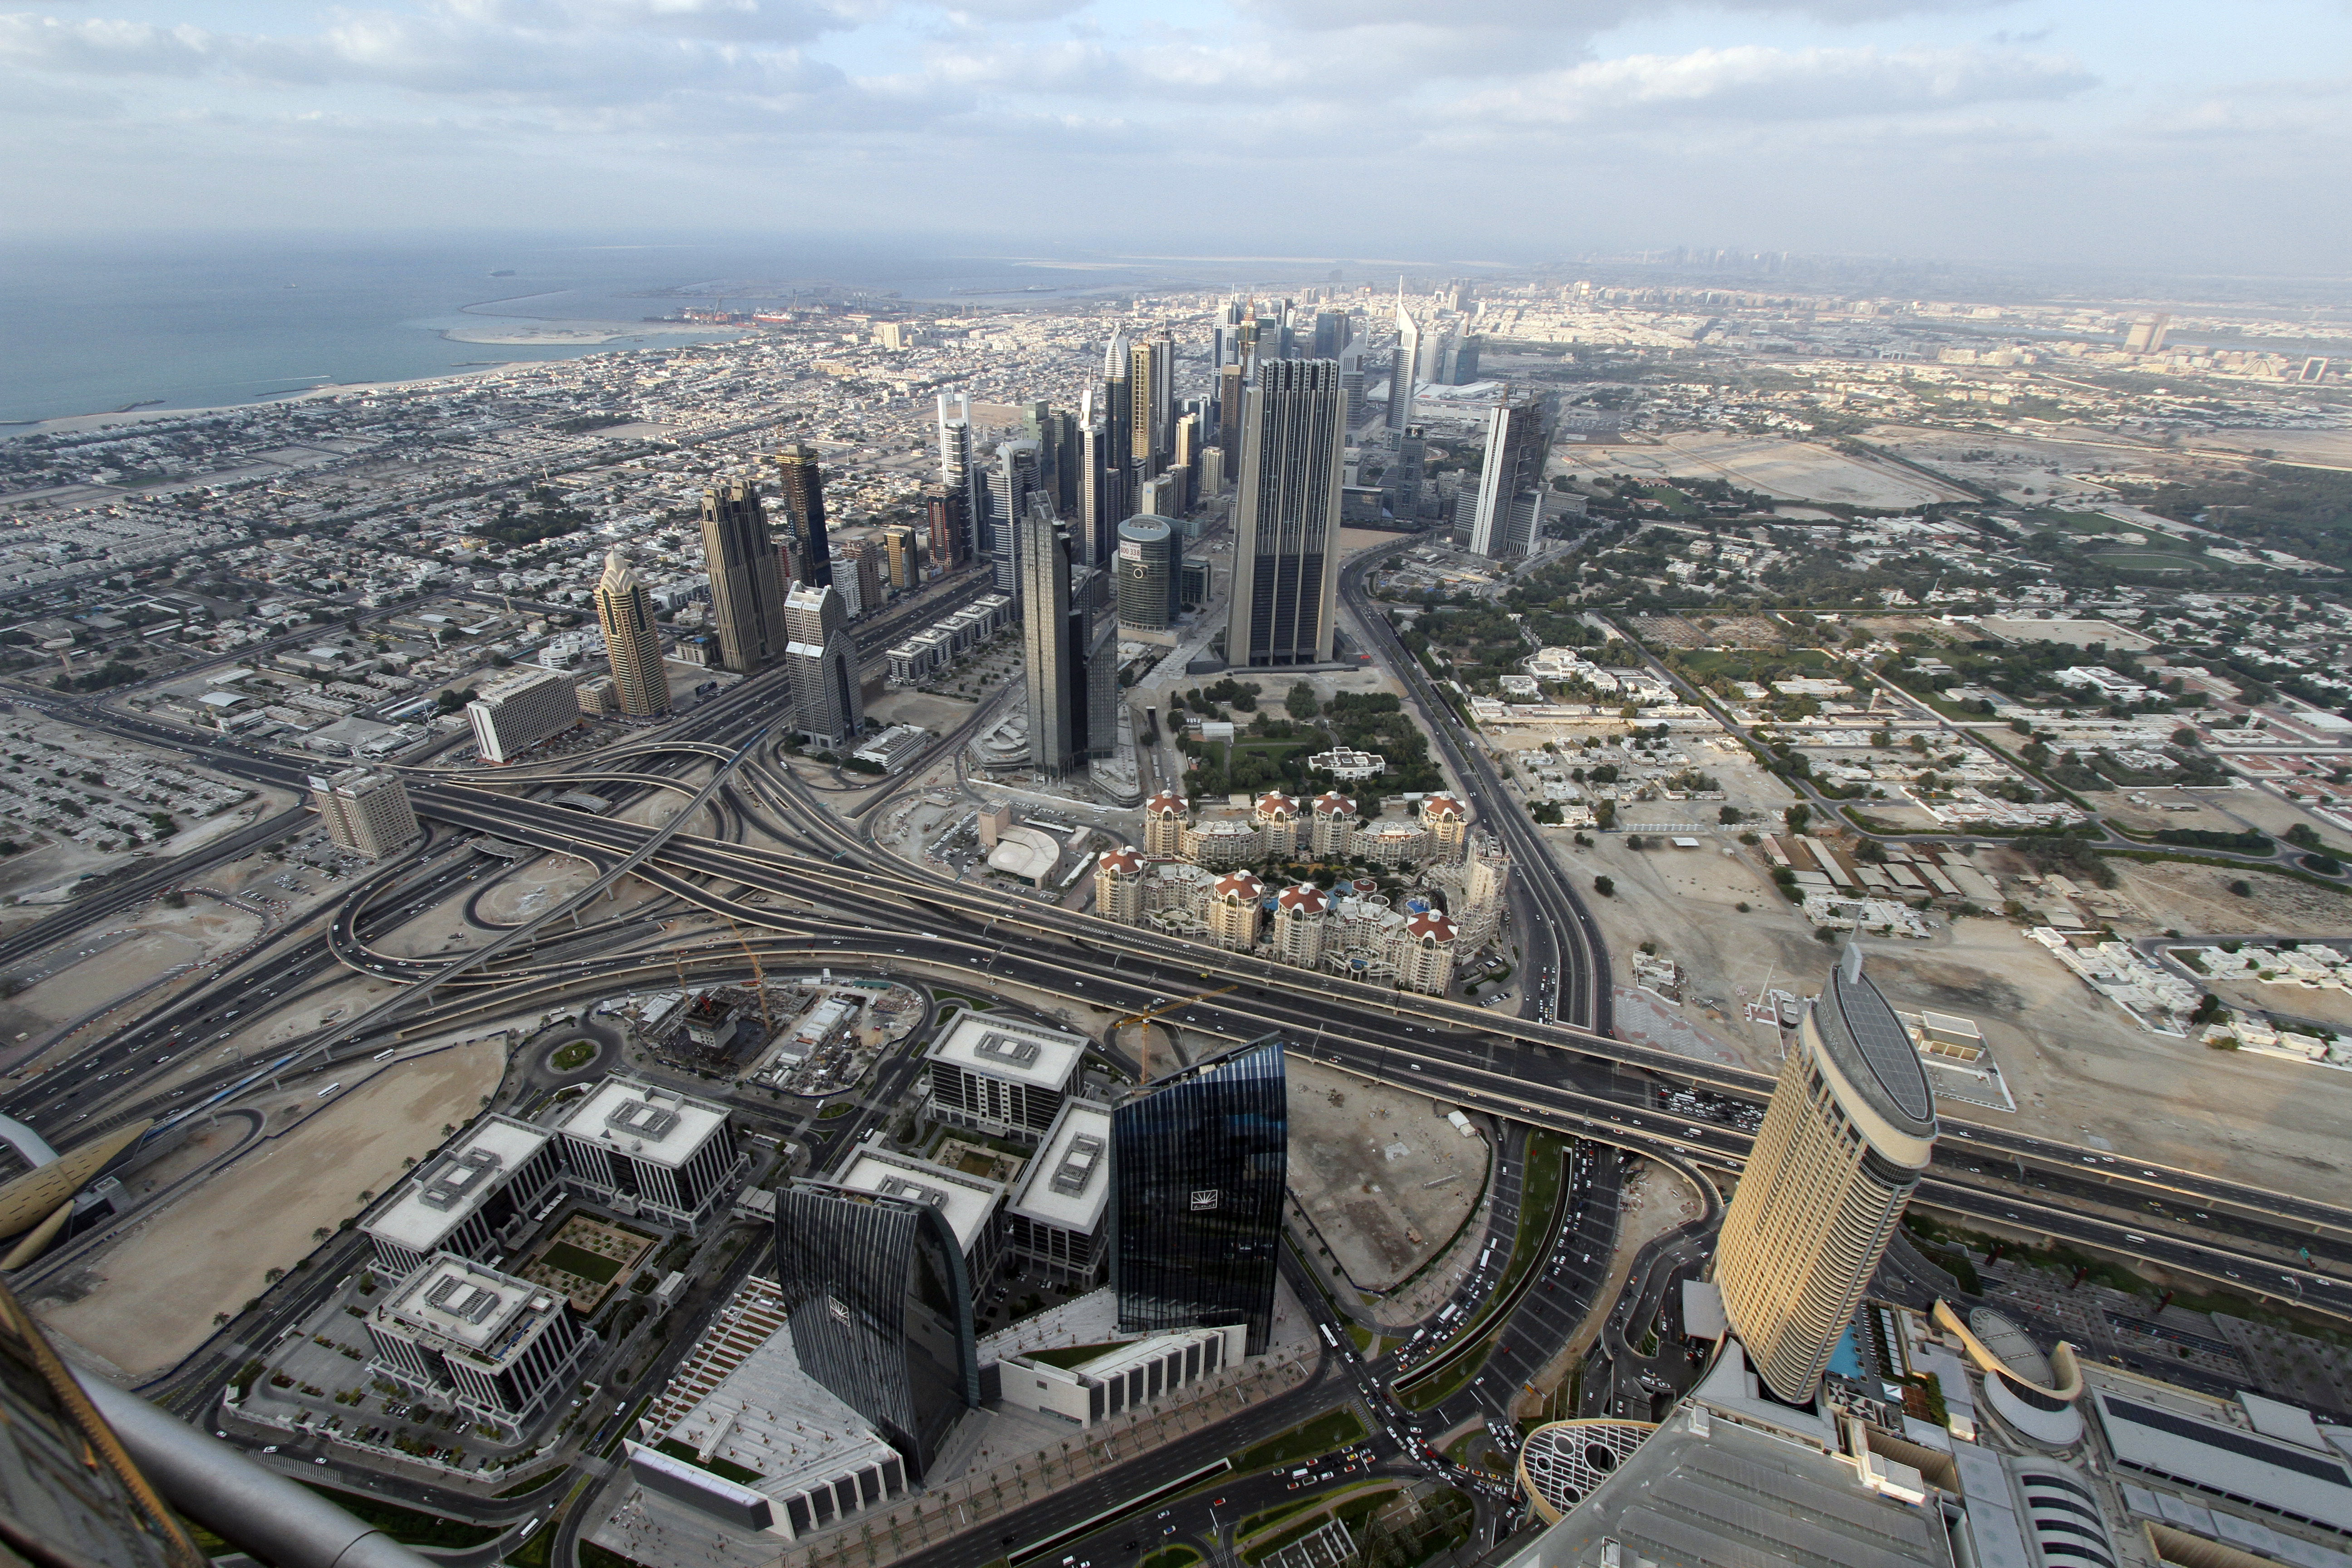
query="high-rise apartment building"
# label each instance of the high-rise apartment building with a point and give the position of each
(747, 584)
(365, 811)
(800, 496)
(959, 475)
(1198, 1164)
(951, 526)
(519, 710)
(1509, 510)
(829, 705)
(1331, 334)
(1150, 571)
(1232, 389)
(1850, 1127)
(1287, 526)
(1405, 367)
(879, 1309)
(632, 639)
(1057, 680)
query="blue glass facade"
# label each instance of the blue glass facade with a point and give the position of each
(880, 1310)
(1198, 1161)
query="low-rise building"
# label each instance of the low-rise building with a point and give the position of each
(499, 1349)
(1054, 1217)
(642, 1149)
(1003, 1077)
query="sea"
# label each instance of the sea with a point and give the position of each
(172, 322)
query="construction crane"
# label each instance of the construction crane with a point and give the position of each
(1149, 1014)
(759, 979)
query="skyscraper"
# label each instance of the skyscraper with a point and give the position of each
(1511, 483)
(1198, 1163)
(1287, 527)
(1097, 486)
(1331, 332)
(830, 708)
(1012, 481)
(957, 474)
(1850, 1127)
(632, 639)
(802, 496)
(1151, 400)
(1230, 394)
(879, 1309)
(1406, 366)
(365, 811)
(1402, 483)
(944, 512)
(1150, 556)
(1056, 680)
(1118, 429)
(747, 588)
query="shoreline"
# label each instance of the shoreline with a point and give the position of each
(80, 424)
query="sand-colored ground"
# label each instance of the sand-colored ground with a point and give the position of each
(166, 937)
(530, 890)
(149, 1299)
(2174, 895)
(1798, 470)
(1385, 1177)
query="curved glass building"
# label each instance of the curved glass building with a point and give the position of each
(1850, 1126)
(1198, 1164)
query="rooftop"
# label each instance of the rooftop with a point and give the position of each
(1872, 1047)
(658, 1126)
(1068, 1184)
(967, 1202)
(450, 1187)
(467, 1307)
(1011, 1048)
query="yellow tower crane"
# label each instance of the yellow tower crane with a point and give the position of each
(1144, 1051)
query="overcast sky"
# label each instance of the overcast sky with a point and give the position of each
(2164, 133)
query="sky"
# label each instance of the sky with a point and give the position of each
(2159, 134)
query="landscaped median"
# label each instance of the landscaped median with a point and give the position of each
(1334, 1429)
(1540, 1196)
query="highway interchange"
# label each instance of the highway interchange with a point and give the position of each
(818, 890)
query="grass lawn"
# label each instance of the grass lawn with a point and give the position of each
(838, 1107)
(1319, 1435)
(578, 1053)
(1171, 1557)
(578, 1260)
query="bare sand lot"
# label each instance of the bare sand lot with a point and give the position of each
(163, 938)
(2019, 466)
(148, 1301)
(1794, 470)
(2174, 895)
(1384, 1176)
(530, 890)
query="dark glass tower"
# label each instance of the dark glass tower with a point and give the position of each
(747, 588)
(880, 1310)
(1287, 524)
(802, 493)
(1198, 1164)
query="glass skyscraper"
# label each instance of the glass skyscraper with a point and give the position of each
(1198, 1164)
(880, 1310)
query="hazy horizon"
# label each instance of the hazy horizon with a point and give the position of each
(2053, 133)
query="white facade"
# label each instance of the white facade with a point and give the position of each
(643, 1149)
(520, 709)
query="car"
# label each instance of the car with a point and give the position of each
(319, 1460)
(271, 1449)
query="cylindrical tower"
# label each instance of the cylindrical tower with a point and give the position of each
(1149, 575)
(1850, 1126)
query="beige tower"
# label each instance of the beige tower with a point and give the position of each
(366, 812)
(1277, 825)
(1233, 910)
(1424, 959)
(1448, 826)
(1118, 886)
(1334, 824)
(1300, 915)
(632, 640)
(1850, 1126)
(1163, 823)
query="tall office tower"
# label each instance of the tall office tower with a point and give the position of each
(519, 710)
(802, 498)
(1403, 482)
(747, 590)
(1231, 382)
(1119, 427)
(958, 475)
(632, 639)
(1160, 497)
(1405, 367)
(1850, 1127)
(1096, 528)
(1511, 483)
(824, 659)
(1189, 444)
(899, 557)
(1330, 333)
(1465, 360)
(945, 514)
(1286, 528)
(1210, 482)
(1265, 333)
(1150, 568)
(1198, 1162)
(879, 1308)
(1351, 386)
(1054, 678)
(1097, 635)
(365, 811)
(1012, 481)
(1151, 400)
